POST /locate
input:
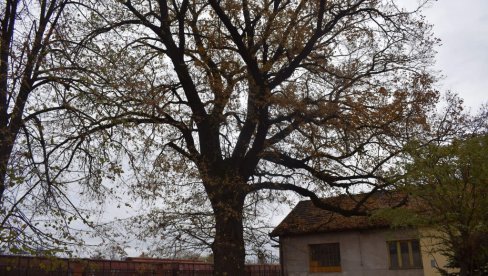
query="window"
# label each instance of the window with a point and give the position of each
(404, 254)
(325, 257)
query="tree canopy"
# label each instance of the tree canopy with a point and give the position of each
(29, 38)
(208, 108)
(249, 98)
(46, 157)
(452, 181)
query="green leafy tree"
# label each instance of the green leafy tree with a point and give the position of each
(452, 182)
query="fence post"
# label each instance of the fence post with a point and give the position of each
(175, 269)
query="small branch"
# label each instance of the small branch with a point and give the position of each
(356, 211)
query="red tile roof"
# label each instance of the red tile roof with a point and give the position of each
(305, 218)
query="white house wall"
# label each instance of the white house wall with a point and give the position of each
(363, 253)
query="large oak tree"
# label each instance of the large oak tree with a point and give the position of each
(309, 96)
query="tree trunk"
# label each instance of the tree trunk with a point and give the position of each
(6, 145)
(464, 269)
(469, 248)
(228, 246)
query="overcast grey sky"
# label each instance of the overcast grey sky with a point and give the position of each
(463, 57)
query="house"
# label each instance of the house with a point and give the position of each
(314, 241)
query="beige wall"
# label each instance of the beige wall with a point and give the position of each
(429, 243)
(363, 253)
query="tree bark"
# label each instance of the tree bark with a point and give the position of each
(6, 145)
(228, 246)
(464, 269)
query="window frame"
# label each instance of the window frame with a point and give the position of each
(314, 265)
(399, 256)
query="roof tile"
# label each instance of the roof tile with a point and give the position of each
(306, 218)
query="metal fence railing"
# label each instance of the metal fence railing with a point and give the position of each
(40, 266)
